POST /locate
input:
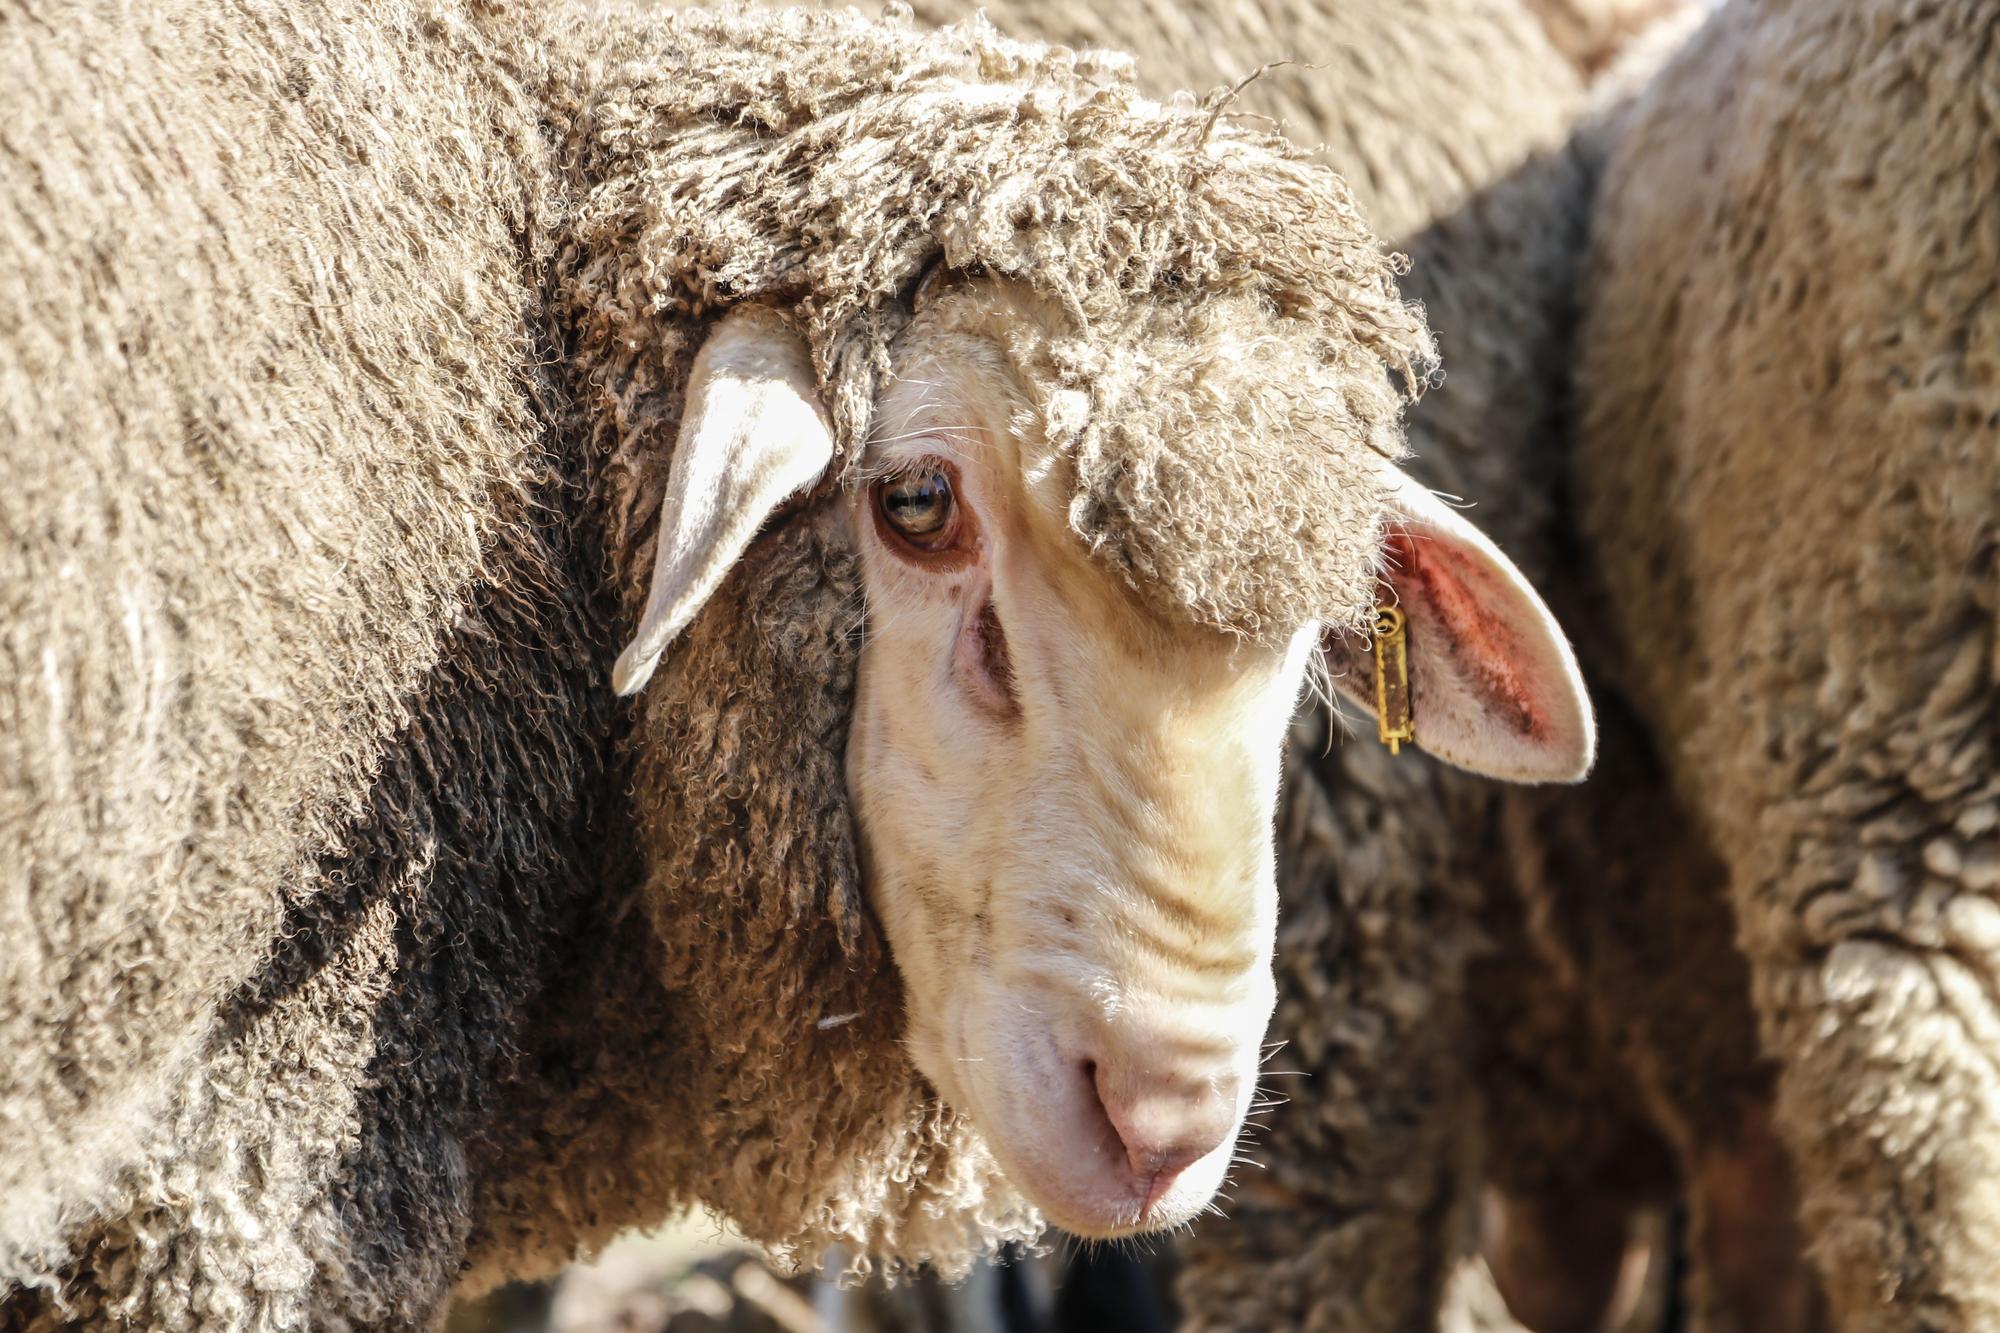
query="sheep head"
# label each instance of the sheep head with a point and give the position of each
(1035, 748)
(1064, 782)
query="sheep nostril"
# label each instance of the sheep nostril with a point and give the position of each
(1166, 1122)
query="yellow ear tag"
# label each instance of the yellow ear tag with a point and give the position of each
(1392, 679)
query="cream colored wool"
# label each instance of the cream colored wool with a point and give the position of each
(1404, 97)
(357, 947)
(1788, 469)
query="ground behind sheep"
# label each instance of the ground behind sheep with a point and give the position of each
(697, 1276)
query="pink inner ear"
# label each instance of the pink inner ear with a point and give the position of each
(1455, 630)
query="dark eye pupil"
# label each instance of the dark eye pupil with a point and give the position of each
(918, 506)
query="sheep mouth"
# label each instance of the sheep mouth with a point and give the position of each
(1053, 1138)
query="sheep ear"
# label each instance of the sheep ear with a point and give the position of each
(752, 434)
(1494, 687)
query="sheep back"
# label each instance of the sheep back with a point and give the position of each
(275, 499)
(1787, 469)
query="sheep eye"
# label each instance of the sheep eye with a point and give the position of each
(918, 506)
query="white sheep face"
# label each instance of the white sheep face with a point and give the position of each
(1065, 801)
(1066, 812)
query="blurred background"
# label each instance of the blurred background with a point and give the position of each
(696, 1276)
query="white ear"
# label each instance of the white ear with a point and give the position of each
(1494, 687)
(752, 434)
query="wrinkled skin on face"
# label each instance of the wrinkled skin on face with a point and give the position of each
(1062, 772)
(1065, 803)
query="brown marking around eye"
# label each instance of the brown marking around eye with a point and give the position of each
(956, 546)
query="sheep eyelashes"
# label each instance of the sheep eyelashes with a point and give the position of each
(753, 434)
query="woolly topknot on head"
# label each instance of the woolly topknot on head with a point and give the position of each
(1230, 465)
(1234, 326)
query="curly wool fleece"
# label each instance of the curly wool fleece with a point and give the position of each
(822, 162)
(361, 422)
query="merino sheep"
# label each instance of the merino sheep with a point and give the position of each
(363, 365)
(1788, 469)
